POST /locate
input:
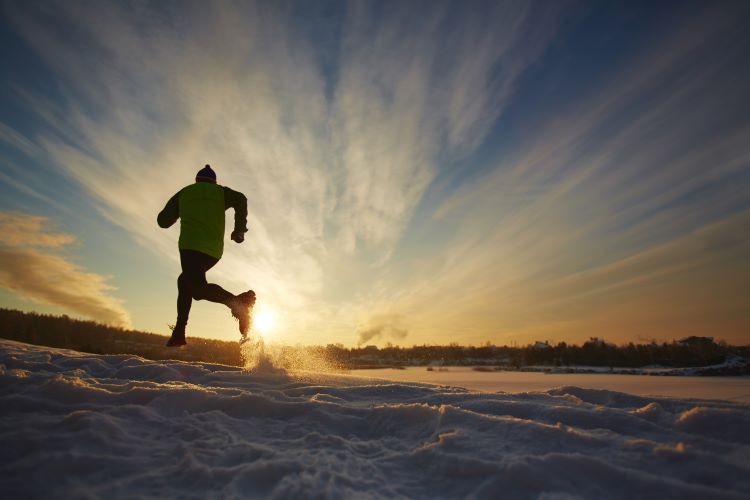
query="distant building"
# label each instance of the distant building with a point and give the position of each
(694, 341)
(541, 345)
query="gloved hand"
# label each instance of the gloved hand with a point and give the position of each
(238, 236)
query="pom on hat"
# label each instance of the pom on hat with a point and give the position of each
(206, 174)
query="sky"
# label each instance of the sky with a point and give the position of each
(416, 172)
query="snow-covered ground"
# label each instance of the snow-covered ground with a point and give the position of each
(81, 425)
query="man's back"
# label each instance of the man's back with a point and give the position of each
(201, 209)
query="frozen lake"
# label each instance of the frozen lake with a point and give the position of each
(735, 389)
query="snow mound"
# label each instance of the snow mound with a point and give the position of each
(83, 425)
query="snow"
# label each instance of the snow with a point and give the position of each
(82, 425)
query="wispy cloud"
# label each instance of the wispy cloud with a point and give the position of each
(597, 211)
(28, 268)
(429, 84)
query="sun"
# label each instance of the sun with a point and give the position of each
(263, 321)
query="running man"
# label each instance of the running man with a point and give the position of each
(200, 208)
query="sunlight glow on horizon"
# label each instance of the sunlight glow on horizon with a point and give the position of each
(264, 322)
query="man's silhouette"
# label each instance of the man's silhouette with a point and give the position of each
(200, 208)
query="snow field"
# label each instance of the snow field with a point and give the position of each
(87, 426)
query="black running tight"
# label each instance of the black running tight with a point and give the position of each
(192, 284)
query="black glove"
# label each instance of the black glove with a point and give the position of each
(238, 236)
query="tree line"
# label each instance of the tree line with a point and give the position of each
(93, 337)
(686, 352)
(96, 338)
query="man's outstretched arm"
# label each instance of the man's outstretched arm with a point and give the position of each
(238, 202)
(170, 213)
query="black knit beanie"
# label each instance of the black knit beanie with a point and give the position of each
(206, 174)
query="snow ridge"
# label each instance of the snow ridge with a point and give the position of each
(84, 425)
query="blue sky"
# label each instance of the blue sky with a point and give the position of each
(416, 172)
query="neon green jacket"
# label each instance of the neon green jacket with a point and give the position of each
(200, 208)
